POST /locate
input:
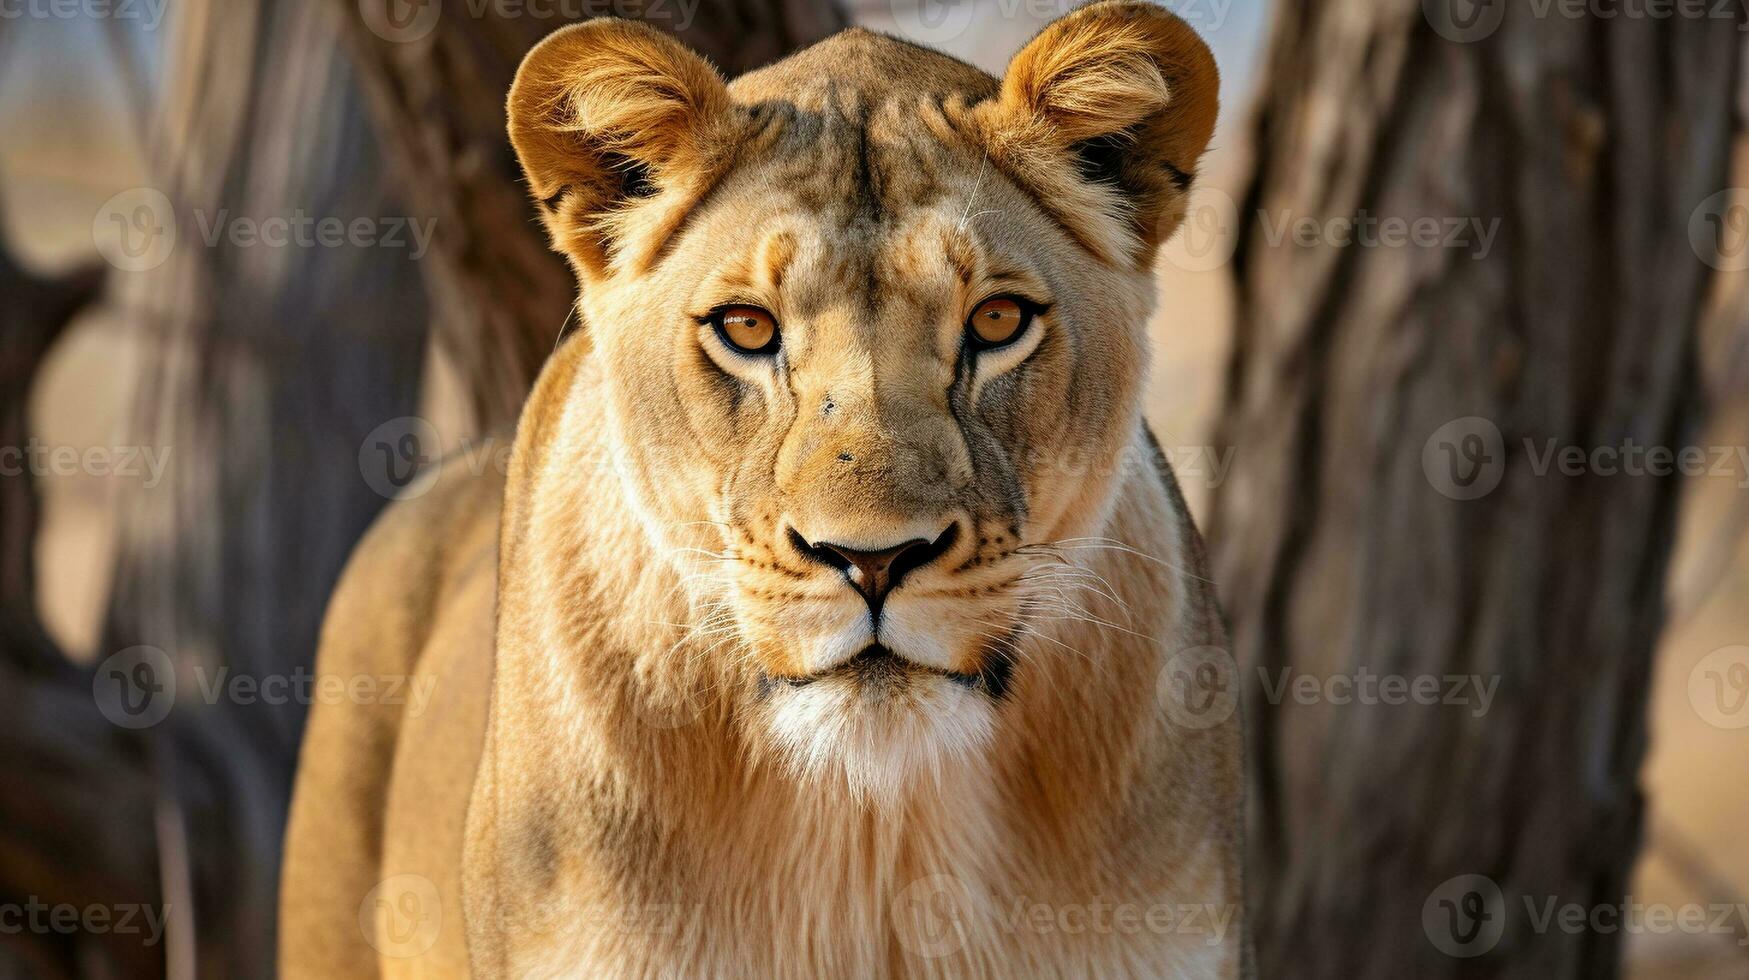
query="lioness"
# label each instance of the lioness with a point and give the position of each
(834, 616)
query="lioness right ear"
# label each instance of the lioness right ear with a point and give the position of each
(1104, 116)
(607, 114)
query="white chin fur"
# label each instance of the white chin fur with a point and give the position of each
(879, 745)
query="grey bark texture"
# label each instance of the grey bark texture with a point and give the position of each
(1375, 392)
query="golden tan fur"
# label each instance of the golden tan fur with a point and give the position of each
(660, 758)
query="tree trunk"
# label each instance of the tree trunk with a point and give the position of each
(1390, 511)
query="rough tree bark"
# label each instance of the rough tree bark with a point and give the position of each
(1376, 392)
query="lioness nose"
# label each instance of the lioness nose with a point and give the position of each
(877, 573)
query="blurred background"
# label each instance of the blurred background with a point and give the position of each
(1452, 357)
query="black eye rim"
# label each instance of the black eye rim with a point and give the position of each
(714, 319)
(1030, 310)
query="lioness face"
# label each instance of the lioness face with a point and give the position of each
(873, 330)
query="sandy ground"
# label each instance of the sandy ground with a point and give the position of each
(57, 168)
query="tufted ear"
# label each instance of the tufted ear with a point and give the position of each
(1105, 114)
(608, 114)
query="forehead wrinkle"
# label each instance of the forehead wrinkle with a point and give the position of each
(962, 254)
(776, 253)
(980, 264)
(753, 274)
(854, 159)
(824, 303)
(733, 278)
(1001, 257)
(914, 266)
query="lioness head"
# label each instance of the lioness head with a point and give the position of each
(869, 321)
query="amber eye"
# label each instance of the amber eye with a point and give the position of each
(998, 321)
(748, 329)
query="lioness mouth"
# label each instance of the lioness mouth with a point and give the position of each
(877, 664)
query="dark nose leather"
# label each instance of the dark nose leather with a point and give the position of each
(877, 573)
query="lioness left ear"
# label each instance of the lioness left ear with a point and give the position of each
(1105, 115)
(605, 114)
